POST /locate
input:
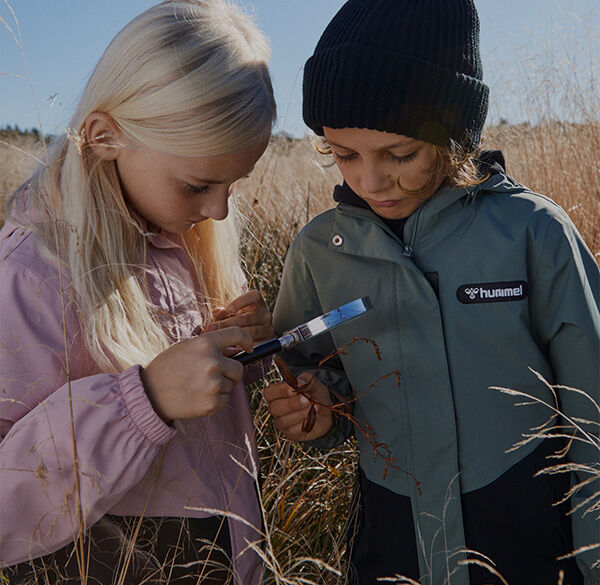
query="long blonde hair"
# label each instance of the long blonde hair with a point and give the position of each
(186, 77)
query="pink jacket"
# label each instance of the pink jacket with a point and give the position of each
(130, 462)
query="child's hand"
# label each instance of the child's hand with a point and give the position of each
(249, 311)
(290, 408)
(194, 378)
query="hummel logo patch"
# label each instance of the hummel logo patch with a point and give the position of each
(492, 292)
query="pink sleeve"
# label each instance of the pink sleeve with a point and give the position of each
(117, 433)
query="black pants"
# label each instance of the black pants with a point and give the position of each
(511, 521)
(174, 550)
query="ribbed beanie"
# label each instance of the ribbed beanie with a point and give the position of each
(410, 67)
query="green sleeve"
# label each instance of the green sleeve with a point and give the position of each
(568, 295)
(298, 302)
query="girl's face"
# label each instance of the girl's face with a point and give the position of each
(382, 168)
(176, 192)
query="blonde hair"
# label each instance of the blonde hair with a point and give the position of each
(185, 77)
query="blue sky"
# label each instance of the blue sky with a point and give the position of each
(63, 39)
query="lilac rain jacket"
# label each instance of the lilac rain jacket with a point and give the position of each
(130, 462)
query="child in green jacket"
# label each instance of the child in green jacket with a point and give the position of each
(475, 281)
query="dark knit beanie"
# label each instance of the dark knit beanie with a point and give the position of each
(410, 67)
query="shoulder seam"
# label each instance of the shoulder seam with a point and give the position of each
(31, 270)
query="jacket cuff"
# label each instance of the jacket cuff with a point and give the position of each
(342, 428)
(139, 409)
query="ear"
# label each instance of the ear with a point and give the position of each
(103, 136)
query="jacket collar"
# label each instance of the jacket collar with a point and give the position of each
(364, 237)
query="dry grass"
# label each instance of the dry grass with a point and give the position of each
(306, 495)
(19, 155)
(560, 160)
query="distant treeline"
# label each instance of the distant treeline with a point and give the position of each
(10, 131)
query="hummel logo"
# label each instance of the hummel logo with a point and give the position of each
(492, 292)
(472, 292)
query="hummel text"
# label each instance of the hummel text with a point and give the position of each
(492, 292)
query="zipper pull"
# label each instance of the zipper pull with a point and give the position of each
(407, 251)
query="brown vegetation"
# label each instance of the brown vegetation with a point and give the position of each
(306, 493)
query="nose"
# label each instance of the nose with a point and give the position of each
(374, 179)
(215, 206)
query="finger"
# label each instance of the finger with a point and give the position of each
(241, 320)
(218, 313)
(231, 351)
(249, 299)
(230, 337)
(290, 421)
(312, 386)
(231, 369)
(307, 378)
(277, 391)
(261, 333)
(295, 432)
(285, 406)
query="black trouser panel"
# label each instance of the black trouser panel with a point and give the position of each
(511, 521)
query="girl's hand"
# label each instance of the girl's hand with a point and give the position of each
(290, 408)
(194, 378)
(249, 311)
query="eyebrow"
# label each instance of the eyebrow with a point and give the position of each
(386, 147)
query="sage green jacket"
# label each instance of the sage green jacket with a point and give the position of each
(493, 287)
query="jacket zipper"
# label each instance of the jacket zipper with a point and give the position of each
(408, 248)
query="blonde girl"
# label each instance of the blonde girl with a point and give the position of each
(121, 297)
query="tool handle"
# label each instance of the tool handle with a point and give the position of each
(260, 351)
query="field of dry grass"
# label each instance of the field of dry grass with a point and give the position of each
(292, 182)
(306, 495)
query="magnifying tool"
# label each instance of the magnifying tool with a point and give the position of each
(307, 331)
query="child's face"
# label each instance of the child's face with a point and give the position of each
(176, 192)
(381, 167)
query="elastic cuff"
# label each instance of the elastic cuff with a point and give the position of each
(139, 408)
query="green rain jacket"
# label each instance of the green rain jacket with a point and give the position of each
(492, 285)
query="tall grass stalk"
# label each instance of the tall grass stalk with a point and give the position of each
(307, 495)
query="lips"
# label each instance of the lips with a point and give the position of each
(386, 203)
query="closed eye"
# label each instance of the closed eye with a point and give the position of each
(196, 189)
(402, 159)
(343, 158)
(398, 159)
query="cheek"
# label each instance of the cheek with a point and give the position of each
(350, 174)
(418, 173)
(413, 178)
(133, 176)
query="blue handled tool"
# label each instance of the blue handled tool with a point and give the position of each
(314, 327)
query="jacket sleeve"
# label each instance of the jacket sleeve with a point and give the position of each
(568, 320)
(298, 302)
(106, 419)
